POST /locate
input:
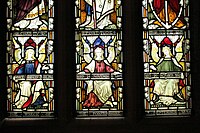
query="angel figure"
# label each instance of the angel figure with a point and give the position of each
(167, 90)
(99, 91)
(28, 14)
(29, 92)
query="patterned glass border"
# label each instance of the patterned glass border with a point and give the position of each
(99, 58)
(166, 57)
(30, 58)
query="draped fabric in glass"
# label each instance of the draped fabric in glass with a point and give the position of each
(99, 58)
(166, 57)
(30, 58)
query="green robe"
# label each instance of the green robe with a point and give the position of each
(166, 87)
(167, 65)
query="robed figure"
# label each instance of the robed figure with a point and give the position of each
(166, 90)
(28, 12)
(98, 14)
(29, 92)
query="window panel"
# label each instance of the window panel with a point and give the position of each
(30, 58)
(99, 58)
(166, 57)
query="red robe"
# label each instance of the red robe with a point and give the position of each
(174, 5)
(93, 100)
(23, 7)
(159, 5)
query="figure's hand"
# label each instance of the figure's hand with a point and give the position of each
(45, 67)
(82, 72)
(182, 76)
(14, 78)
(153, 67)
(116, 73)
(150, 1)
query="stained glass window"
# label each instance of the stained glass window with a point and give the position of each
(166, 57)
(30, 58)
(99, 58)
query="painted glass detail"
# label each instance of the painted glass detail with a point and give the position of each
(166, 57)
(99, 58)
(30, 58)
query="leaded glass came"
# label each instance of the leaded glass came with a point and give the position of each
(30, 58)
(99, 58)
(166, 57)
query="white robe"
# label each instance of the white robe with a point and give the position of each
(166, 89)
(25, 91)
(103, 9)
(101, 88)
(31, 20)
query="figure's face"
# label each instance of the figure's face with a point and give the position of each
(30, 53)
(98, 53)
(166, 51)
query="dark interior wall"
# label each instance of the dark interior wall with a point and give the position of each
(134, 120)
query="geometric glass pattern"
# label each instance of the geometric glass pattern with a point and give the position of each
(99, 58)
(30, 58)
(166, 57)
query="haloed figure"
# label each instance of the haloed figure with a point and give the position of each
(167, 89)
(30, 93)
(30, 64)
(98, 91)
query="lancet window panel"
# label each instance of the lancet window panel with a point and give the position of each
(99, 58)
(30, 58)
(166, 57)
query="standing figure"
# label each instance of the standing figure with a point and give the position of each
(28, 14)
(30, 92)
(98, 13)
